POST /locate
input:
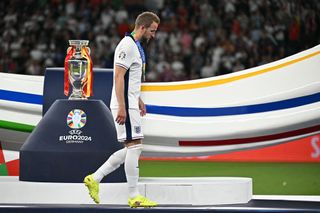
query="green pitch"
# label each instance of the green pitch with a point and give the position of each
(268, 178)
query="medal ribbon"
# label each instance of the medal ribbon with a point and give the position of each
(143, 57)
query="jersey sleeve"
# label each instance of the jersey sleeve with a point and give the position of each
(124, 54)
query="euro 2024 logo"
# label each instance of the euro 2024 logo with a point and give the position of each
(76, 119)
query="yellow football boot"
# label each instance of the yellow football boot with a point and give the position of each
(141, 201)
(93, 188)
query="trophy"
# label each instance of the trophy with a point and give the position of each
(78, 70)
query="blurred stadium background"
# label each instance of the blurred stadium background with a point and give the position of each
(196, 38)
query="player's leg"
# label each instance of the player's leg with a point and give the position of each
(131, 167)
(114, 161)
(132, 174)
(134, 148)
(92, 181)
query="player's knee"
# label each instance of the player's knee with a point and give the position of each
(135, 146)
(132, 144)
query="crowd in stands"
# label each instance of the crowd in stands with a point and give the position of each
(196, 38)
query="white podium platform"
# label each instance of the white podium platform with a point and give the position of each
(196, 191)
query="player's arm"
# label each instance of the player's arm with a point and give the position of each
(119, 89)
(142, 107)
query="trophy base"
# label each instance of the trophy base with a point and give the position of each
(62, 149)
(77, 98)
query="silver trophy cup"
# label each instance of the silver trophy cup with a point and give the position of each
(78, 68)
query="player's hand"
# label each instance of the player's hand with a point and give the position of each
(121, 116)
(142, 107)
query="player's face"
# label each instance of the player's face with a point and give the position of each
(150, 32)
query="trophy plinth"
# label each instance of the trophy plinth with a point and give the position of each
(72, 140)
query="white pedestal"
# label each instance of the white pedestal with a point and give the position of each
(197, 191)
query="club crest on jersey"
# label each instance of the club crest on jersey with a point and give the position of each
(122, 55)
(137, 129)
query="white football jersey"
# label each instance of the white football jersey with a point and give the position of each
(127, 55)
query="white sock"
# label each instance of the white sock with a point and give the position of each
(131, 167)
(114, 161)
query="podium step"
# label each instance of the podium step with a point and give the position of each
(197, 191)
